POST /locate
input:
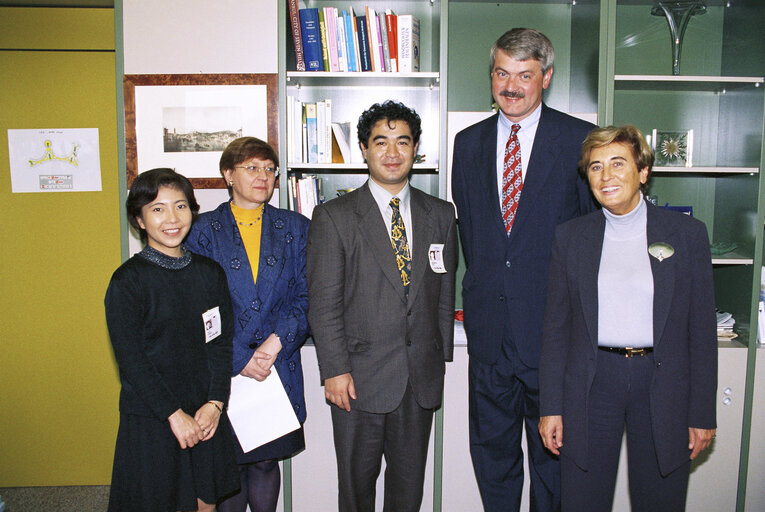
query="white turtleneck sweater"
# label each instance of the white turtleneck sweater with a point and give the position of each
(625, 282)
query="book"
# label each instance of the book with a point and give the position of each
(324, 43)
(372, 38)
(383, 27)
(408, 43)
(341, 142)
(350, 46)
(310, 32)
(327, 131)
(330, 20)
(310, 119)
(392, 28)
(295, 126)
(342, 48)
(354, 27)
(366, 60)
(321, 132)
(297, 37)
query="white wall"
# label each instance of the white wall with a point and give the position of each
(200, 36)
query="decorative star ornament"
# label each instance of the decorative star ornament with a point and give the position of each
(661, 250)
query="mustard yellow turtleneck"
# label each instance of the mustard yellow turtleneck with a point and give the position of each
(249, 223)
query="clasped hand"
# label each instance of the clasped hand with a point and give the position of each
(190, 431)
(259, 365)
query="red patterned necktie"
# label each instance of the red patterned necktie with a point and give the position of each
(512, 178)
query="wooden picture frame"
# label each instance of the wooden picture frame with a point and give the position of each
(211, 98)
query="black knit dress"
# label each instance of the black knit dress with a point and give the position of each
(154, 307)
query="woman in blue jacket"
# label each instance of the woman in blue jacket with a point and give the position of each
(262, 250)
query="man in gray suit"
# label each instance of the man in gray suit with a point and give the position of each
(381, 263)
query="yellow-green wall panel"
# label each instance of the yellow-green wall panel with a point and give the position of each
(56, 28)
(58, 382)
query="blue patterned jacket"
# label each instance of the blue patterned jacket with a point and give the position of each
(278, 303)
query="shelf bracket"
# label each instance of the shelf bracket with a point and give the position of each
(678, 14)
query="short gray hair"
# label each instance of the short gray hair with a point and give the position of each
(525, 44)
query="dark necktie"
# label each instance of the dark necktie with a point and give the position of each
(512, 178)
(400, 244)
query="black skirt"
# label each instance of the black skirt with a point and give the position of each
(280, 448)
(152, 473)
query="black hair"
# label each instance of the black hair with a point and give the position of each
(145, 189)
(391, 111)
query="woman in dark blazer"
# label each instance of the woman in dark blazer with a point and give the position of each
(262, 250)
(629, 338)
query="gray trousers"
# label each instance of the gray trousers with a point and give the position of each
(363, 438)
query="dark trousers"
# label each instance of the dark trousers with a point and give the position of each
(620, 396)
(363, 438)
(504, 397)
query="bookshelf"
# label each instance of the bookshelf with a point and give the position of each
(353, 92)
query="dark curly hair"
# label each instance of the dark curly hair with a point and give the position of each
(391, 111)
(145, 189)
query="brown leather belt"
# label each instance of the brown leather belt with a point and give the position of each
(628, 351)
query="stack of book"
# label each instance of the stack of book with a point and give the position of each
(304, 194)
(327, 39)
(725, 323)
(312, 137)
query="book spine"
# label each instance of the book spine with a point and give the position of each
(310, 119)
(354, 26)
(327, 131)
(390, 20)
(321, 123)
(324, 47)
(349, 42)
(408, 43)
(297, 37)
(383, 28)
(309, 28)
(361, 25)
(331, 22)
(342, 48)
(371, 20)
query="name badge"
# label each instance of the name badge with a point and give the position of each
(211, 319)
(436, 258)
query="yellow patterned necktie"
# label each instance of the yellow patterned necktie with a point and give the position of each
(399, 243)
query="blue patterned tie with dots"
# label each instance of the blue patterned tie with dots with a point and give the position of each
(399, 243)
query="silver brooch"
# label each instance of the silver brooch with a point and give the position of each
(661, 251)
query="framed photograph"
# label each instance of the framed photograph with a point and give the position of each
(673, 148)
(185, 121)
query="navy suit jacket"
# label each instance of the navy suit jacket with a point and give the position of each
(684, 383)
(278, 302)
(505, 280)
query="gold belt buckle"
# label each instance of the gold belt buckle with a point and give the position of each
(632, 352)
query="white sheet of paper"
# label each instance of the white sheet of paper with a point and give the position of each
(260, 411)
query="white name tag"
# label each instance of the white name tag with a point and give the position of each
(211, 319)
(436, 258)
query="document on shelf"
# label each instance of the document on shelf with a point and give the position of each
(260, 411)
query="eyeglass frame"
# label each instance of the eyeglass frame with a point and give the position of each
(250, 169)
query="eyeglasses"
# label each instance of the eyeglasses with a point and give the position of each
(252, 170)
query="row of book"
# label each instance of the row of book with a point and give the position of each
(304, 194)
(326, 39)
(312, 136)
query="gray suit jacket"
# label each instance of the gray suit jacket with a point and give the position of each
(361, 320)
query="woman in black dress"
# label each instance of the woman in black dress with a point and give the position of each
(171, 325)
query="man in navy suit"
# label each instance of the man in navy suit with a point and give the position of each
(514, 179)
